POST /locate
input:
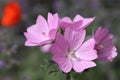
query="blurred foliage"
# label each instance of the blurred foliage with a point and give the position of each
(27, 63)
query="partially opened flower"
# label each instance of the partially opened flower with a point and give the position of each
(43, 32)
(69, 51)
(11, 14)
(77, 23)
(104, 46)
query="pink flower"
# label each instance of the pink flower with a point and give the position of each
(69, 51)
(77, 23)
(105, 49)
(43, 32)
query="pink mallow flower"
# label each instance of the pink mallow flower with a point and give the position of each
(43, 32)
(77, 23)
(69, 51)
(105, 49)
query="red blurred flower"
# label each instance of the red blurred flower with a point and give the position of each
(11, 14)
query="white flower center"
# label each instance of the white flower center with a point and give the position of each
(71, 56)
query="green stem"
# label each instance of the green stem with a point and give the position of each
(68, 76)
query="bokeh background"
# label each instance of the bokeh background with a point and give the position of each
(18, 62)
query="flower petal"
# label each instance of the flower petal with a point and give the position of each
(100, 34)
(65, 22)
(60, 46)
(86, 51)
(76, 25)
(46, 47)
(32, 39)
(52, 33)
(66, 19)
(107, 54)
(74, 38)
(53, 21)
(86, 21)
(35, 36)
(78, 18)
(28, 43)
(114, 53)
(107, 41)
(64, 64)
(42, 24)
(81, 65)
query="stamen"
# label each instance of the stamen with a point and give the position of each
(98, 47)
(71, 56)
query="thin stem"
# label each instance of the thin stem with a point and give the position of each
(68, 76)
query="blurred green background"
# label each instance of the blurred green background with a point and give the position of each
(18, 62)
